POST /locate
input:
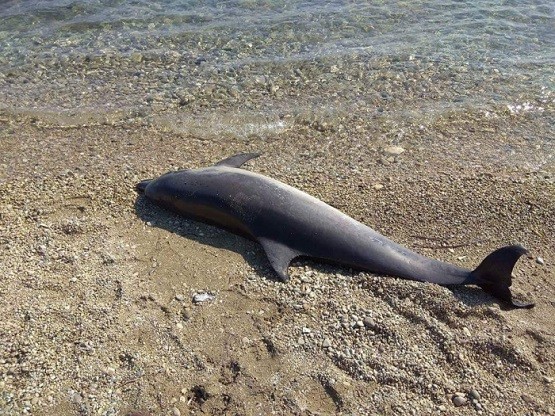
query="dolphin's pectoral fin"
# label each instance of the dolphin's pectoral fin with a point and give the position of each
(237, 160)
(280, 256)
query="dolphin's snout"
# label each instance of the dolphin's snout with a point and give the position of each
(141, 186)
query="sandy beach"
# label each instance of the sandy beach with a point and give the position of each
(431, 122)
(97, 290)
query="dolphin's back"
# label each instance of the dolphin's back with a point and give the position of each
(263, 208)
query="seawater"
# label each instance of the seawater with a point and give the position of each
(258, 60)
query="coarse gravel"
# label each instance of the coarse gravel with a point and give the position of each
(98, 284)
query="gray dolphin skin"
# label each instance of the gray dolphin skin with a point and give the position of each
(289, 223)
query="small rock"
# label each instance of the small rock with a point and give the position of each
(76, 397)
(442, 408)
(180, 297)
(203, 297)
(378, 186)
(176, 411)
(473, 394)
(186, 314)
(539, 260)
(528, 399)
(393, 150)
(326, 343)
(306, 330)
(458, 401)
(179, 325)
(449, 387)
(368, 323)
(136, 57)
(547, 379)
(467, 331)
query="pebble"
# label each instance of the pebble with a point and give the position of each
(180, 297)
(393, 150)
(528, 399)
(326, 343)
(458, 400)
(547, 379)
(378, 186)
(368, 323)
(202, 297)
(176, 411)
(449, 387)
(467, 331)
(186, 314)
(473, 394)
(539, 260)
(136, 57)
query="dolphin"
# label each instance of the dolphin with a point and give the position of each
(289, 223)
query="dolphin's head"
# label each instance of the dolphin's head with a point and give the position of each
(141, 186)
(165, 188)
(161, 188)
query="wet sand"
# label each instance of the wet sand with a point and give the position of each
(97, 283)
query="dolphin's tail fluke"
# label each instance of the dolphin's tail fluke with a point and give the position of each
(494, 274)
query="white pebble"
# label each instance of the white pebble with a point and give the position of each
(394, 150)
(202, 297)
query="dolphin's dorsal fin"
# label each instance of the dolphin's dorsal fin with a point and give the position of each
(237, 160)
(279, 255)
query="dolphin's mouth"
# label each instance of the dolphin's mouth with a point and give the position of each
(141, 186)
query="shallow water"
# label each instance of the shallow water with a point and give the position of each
(237, 68)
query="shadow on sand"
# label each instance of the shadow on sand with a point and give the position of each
(204, 234)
